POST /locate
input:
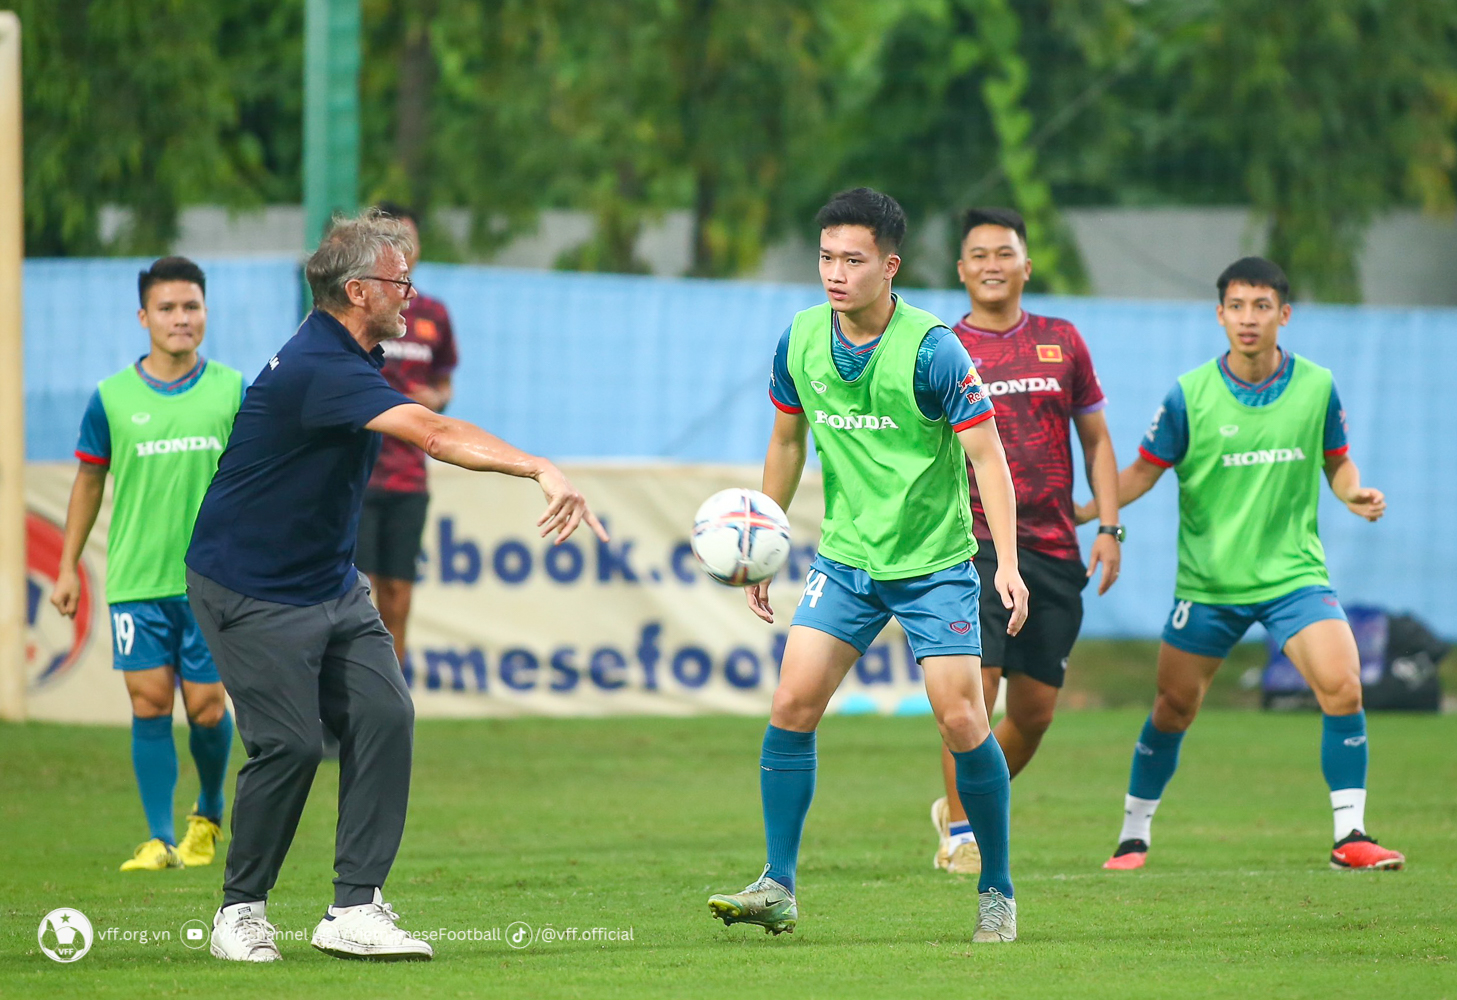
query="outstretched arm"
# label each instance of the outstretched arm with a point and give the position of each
(1345, 480)
(1133, 482)
(783, 466)
(81, 511)
(447, 439)
(983, 447)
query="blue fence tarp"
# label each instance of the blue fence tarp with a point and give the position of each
(619, 367)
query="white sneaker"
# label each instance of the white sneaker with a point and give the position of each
(941, 820)
(242, 933)
(368, 931)
(996, 919)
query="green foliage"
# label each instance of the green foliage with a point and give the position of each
(748, 113)
(129, 102)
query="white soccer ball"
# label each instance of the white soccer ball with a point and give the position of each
(741, 537)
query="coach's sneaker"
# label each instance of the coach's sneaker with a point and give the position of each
(996, 918)
(1131, 854)
(242, 933)
(154, 856)
(1358, 852)
(764, 902)
(368, 931)
(941, 820)
(199, 844)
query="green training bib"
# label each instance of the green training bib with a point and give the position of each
(896, 498)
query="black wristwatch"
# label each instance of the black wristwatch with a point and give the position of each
(1116, 530)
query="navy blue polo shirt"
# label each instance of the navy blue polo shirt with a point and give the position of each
(280, 519)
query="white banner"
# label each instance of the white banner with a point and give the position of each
(504, 623)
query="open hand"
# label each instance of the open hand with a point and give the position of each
(758, 595)
(565, 507)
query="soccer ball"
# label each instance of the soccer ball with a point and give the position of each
(741, 537)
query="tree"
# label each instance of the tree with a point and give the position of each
(1333, 110)
(127, 102)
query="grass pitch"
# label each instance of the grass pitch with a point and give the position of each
(629, 824)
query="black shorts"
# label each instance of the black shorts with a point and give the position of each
(390, 526)
(1054, 615)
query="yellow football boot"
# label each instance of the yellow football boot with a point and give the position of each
(199, 844)
(154, 856)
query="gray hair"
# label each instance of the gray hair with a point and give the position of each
(350, 250)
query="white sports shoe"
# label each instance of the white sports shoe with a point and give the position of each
(996, 919)
(941, 820)
(368, 931)
(242, 933)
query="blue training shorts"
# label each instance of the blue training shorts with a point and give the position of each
(1213, 629)
(161, 633)
(939, 612)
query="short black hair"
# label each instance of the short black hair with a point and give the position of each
(395, 210)
(1007, 218)
(1258, 272)
(879, 213)
(170, 269)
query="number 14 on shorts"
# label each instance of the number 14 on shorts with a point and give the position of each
(814, 587)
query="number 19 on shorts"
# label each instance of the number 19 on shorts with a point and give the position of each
(125, 630)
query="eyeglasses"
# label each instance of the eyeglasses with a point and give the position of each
(409, 285)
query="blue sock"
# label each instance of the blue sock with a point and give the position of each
(154, 758)
(210, 749)
(1343, 751)
(1155, 759)
(985, 787)
(786, 785)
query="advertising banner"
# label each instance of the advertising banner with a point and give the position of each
(505, 623)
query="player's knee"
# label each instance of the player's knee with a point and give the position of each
(207, 713)
(1032, 722)
(961, 725)
(1342, 697)
(1174, 711)
(792, 710)
(151, 704)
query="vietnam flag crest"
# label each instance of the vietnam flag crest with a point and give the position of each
(1049, 352)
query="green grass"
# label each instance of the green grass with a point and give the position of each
(633, 822)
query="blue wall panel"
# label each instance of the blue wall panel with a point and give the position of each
(596, 366)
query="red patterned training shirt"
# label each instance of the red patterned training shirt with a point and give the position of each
(1039, 375)
(423, 356)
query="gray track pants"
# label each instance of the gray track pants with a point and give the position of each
(286, 667)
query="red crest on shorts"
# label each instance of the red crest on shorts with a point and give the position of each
(961, 628)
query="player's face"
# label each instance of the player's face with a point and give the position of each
(1252, 316)
(993, 265)
(383, 300)
(852, 268)
(175, 317)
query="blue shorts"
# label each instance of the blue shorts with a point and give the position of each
(1213, 629)
(939, 612)
(161, 633)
